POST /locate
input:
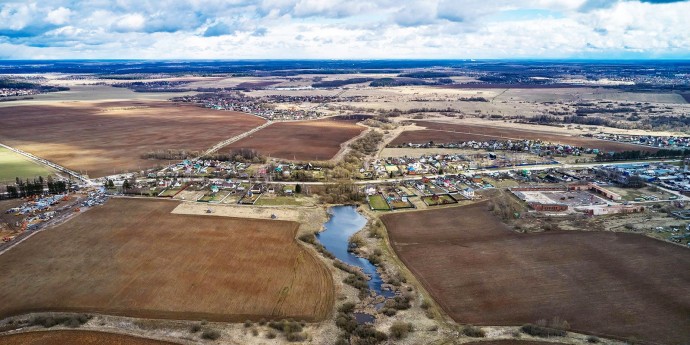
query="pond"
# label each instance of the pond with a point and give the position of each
(344, 222)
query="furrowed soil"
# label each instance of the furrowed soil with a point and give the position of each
(111, 137)
(301, 140)
(77, 338)
(608, 284)
(134, 258)
(447, 133)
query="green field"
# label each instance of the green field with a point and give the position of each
(13, 165)
(443, 199)
(278, 201)
(377, 202)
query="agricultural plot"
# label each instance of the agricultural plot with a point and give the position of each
(77, 338)
(13, 165)
(135, 258)
(438, 199)
(277, 201)
(599, 282)
(108, 138)
(377, 202)
(302, 140)
(447, 133)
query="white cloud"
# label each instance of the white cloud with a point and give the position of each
(59, 16)
(343, 29)
(130, 22)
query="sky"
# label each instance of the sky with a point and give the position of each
(344, 29)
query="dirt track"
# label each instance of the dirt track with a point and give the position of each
(610, 284)
(133, 258)
(445, 133)
(317, 140)
(77, 338)
(108, 138)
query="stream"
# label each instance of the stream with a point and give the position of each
(344, 222)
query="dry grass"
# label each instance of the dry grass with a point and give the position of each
(134, 258)
(480, 272)
(108, 138)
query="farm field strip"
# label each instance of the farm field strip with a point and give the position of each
(316, 140)
(110, 137)
(77, 337)
(482, 273)
(14, 165)
(440, 132)
(133, 257)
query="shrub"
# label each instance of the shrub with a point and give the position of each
(247, 323)
(389, 311)
(474, 332)
(194, 328)
(425, 305)
(300, 336)
(210, 334)
(262, 322)
(369, 335)
(398, 302)
(346, 322)
(271, 334)
(399, 330)
(347, 308)
(255, 332)
(541, 331)
(592, 339)
(48, 321)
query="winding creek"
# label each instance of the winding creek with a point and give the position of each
(344, 222)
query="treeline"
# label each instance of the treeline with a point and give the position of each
(639, 155)
(22, 85)
(242, 155)
(473, 99)
(425, 75)
(170, 154)
(368, 144)
(387, 82)
(343, 82)
(33, 187)
(580, 120)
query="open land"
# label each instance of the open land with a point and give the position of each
(108, 138)
(134, 258)
(77, 338)
(482, 273)
(15, 165)
(301, 140)
(447, 133)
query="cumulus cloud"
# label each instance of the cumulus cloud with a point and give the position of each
(344, 29)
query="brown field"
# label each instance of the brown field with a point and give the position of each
(77, 338)
(134, 258)
(301, 140)
(511, 342)
(108, 138)
(446, 132)
(608, 284)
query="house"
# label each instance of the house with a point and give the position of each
(468, 193)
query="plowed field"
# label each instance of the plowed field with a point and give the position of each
(135, 258)
(302, 140)
(610, 284)
(109, 138)
(77, 338)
